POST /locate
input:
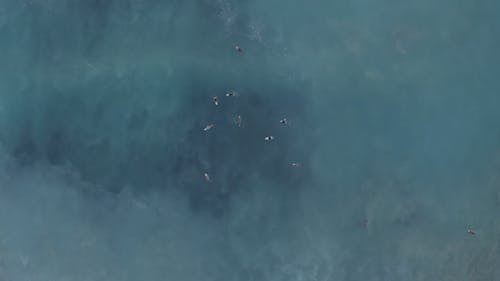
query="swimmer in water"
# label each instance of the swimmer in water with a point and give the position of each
(237, 121)
(471, 232)
(269, 138)
(216, 100)
(284, 121)
(295, 164)
(238, 48)
(232, 94)
(208, 127)
(207, 177)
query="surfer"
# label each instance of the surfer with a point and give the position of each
(232, 94)
(237, 121)
(208, 127)
(207, 177)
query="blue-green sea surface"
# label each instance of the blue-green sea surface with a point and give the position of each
(386, 168)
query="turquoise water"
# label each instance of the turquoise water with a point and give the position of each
(392, 112)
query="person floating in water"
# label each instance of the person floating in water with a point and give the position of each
(215, 100)
(238, 48)
(232, 94)
(269, 138)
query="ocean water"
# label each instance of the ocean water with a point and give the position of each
(393, 115)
